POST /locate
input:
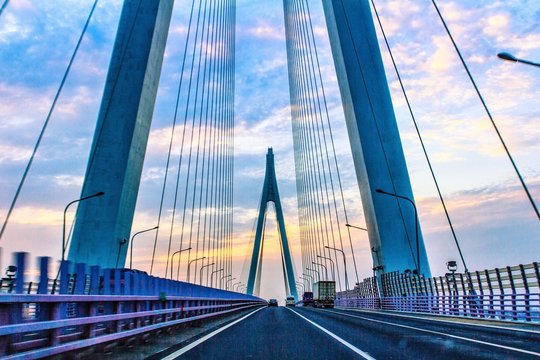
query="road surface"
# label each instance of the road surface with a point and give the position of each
(306, 333)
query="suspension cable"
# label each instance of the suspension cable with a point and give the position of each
(531, 200)
(47, 119)
(419, 136)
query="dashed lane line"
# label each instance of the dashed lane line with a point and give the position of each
(363, 354)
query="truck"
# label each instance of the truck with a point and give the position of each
(324, 294)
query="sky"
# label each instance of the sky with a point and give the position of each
(493, 219)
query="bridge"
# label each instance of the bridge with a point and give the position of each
(139, 230)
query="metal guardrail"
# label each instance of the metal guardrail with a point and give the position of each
(510, 293)
(79, 309)
(514, 307)
(99, 319)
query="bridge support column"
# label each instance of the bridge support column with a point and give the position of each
(270, 193)
(374, 137)
(121, 135)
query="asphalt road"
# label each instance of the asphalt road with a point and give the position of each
(306, 333)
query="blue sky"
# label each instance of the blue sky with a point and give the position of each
(493, 220)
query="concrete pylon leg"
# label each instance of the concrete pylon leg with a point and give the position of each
(121, 135)
(271, 193)
(374, 137)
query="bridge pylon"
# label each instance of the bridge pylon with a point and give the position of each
(103, 225)
(374, 136)
(270, 193)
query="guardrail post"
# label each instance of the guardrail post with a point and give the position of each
(80, 279)
(107, 276)
(94, 280)
(501, 295)
(527, 293)
(513, 296)
(20, 259)
(117, 282)
(43, 275)
(64, 277)
(129, 283)
(491, 310)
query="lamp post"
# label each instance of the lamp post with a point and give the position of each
(224, 277)
(101, 193)
(228, 281)
(325, 269)
(333, 265)
(356, 227)
(233, 285)
(189, 266)
(212, 276)
(302, 285)
(415, 224)
(306, 279)
(316, 272)
(344, 265)
(172, 259)
(509, 57)
(201, 271)
(131, 244)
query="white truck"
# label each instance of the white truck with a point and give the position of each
(324, 294)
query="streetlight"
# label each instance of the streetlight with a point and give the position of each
(316, 272)
(306, 279)
(415, 224)
(212, 276)
(509, 57)
(189, 265)
(131, 244)
(226, 282)
(333, 265)
(344, 265)
(101, 193)
(233, 285)
(356, 227)
(302, 285)
(224, 277)
(200, 272)
(172, 259)
(324, 266)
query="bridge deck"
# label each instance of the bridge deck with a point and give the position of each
(305, 333)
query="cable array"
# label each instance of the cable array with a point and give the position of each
(321, 206)
(200, 225)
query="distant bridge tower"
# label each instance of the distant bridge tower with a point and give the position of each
(374, 136)
(117, 155)
(270, 193)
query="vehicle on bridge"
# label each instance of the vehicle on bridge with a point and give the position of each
(272, 302)
(324, 294)
(290, 301)
(307, 298)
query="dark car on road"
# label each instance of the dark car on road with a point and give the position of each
(272, 302)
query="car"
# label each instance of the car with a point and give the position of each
(290, 301)
(272, 302)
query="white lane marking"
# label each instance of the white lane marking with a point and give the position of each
(445, 321)
(347, 344)
(439, 333)
(186, 348)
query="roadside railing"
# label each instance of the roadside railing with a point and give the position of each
(510, 293)
(79, 308)
(518, 307)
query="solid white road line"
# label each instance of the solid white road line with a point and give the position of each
(347, 344)
(438, 333)
(445, 321)
(206, 337)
